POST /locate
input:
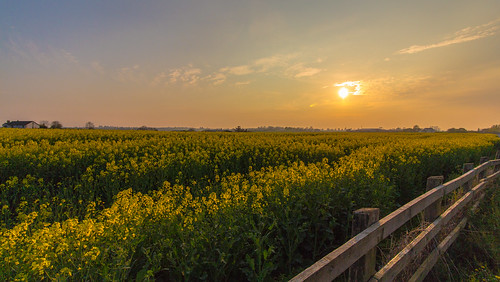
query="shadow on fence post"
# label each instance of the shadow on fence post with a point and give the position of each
(434, 210)
(467, 167)
(364, 268)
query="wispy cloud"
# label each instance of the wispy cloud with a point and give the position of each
(28, 50)
(241, 83)
(191, 75)
(301, 71)
(279, 64)
(159, 79)
(464, 35)
(130, 74)
(96, 66)
(290, 65)
(407, 86)
(68, 56)
(46, 56)
(218, 78)
(238, 70)
(261, 65)
(188, 75)
(279, 60)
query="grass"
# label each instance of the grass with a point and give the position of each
(475, 256)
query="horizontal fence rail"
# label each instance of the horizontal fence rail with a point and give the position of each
(431, 260)
(342, 258)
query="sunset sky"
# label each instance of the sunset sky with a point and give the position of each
(251, 63)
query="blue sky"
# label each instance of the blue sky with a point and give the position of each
(251, 63)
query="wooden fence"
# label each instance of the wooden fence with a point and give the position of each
(358, 254)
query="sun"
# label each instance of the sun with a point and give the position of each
(343, 92)
(349, 88)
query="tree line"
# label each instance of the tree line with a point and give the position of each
(57, 124)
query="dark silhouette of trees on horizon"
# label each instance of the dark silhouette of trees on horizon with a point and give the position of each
(56, 125)
(89, 125)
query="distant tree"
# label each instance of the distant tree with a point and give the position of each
(147, 128)
(56, 124)
(436, 128)
(239, 129)
(457, 130)
(44, 124)
(495, 128)
(416, 128)
(89, 125)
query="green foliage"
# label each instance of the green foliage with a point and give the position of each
(475, 256)
(125, 205)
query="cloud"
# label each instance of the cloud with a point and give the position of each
(464, 35)
(407, 86)
(238, 70)
(353, 87)
(129, 74)
(174, 75)
(96, 66)
(280, 64)
(218, 78)
(299, 70)
(69, 57)
(308, 72)
(191, 76)
(267, 63)
(28, 50)
(159, 79)
(46, 56)
(188, 75)
(240, 83)
(260, 65)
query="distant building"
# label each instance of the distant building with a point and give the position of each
(21, 124)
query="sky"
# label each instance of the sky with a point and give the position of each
(222, 63)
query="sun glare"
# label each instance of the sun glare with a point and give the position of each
(343, 92)
(349, 88)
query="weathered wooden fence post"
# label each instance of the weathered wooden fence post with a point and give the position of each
(434, 210)
(364, 268)
(497, 156)
(467, 185)
(482, 174)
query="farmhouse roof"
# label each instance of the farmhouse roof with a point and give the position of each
(18, 123)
